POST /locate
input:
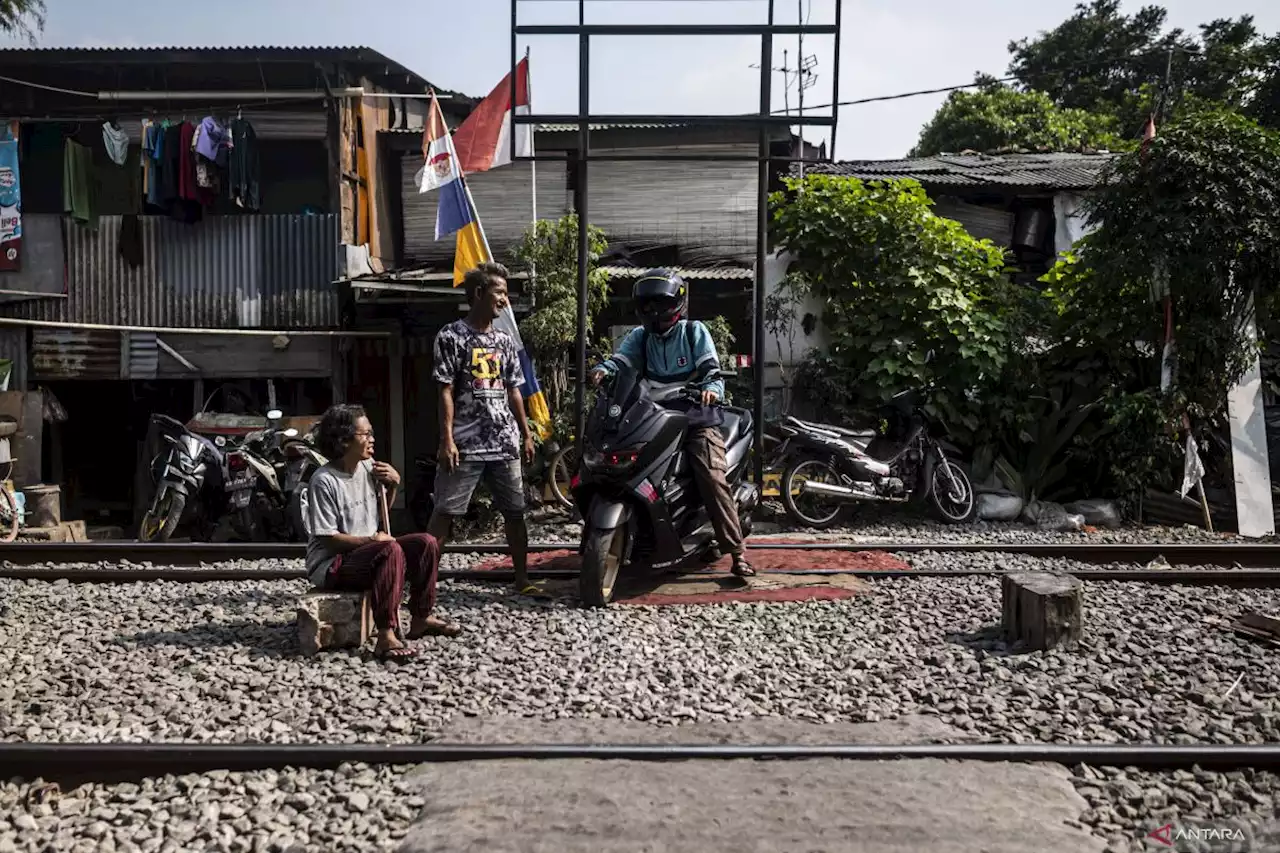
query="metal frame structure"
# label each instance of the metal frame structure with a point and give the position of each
(763, 120)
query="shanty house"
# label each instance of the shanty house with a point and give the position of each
(142, 284)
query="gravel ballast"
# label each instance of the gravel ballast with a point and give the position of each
(218, 661)
(353, 809)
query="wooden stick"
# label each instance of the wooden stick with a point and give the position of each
(382, 508)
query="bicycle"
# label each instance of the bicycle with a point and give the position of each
(8, 505)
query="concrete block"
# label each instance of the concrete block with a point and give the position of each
(333, 620)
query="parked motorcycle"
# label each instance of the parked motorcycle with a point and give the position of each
(837, 467)
(207, 476)
(635, 488)
(275, 496)
(302, 459)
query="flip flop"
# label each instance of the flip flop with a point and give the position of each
(531, 591)
(400, 654)
(447, 629)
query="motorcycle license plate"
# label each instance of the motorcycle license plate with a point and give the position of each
(241, 482)
(240, 499)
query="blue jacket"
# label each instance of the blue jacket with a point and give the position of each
(669, 360)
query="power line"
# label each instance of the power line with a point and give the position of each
(981, 84)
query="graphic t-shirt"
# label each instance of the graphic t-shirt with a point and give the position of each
(480, 366)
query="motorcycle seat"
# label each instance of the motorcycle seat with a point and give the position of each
(737, 423)
(838, 430)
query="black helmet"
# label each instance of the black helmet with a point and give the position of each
(661, 300)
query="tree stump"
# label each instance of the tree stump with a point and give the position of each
(1041, 610)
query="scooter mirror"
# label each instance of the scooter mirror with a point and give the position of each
(275, 415)
(290, 432)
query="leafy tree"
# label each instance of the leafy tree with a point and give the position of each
(1193, 214)
(550, 249)
(1109, 63)
(22, 17)
(1000, 118)
(911, 299)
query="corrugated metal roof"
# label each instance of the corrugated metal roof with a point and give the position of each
(224, 272)
(563, 128)
(572, 128)
(693, 274)
(355, 54)
(1041, 171)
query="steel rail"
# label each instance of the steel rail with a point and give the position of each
(1226, 555)
(1190, 577)
(105, 761)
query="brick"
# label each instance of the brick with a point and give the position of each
(333, 620)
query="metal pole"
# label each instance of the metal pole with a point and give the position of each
(515, 26)
(835, 84)
(580, 206)
(800, 85)
(762, 235)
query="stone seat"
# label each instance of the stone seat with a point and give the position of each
(333, 620)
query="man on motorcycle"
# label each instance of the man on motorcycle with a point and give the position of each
(668, 350)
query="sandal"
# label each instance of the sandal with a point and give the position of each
(532, 591)
(741, 568)
(437, 628)
(400, 654)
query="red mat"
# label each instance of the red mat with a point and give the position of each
(780, 560)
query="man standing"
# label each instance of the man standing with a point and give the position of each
(483, 428)
(348, 552)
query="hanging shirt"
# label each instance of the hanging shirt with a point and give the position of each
(152, 151)
(78, 197)
(210, 139)
(116, 141)
(244, 165)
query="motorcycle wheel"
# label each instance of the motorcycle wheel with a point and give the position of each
(602, 557)
(958, 505)
(798, 472)
(159, 527)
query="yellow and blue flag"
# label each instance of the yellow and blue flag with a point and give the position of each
(456, 214)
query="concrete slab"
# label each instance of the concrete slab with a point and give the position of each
(738, 806)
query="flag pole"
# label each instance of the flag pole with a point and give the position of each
(533, 164)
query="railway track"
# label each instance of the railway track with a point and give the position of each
(1238, 565)
(1228, 555)
(107, 762)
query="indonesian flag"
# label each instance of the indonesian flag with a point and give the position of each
(483, 141)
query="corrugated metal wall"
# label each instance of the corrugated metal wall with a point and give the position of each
(74, 354)
(707, 208)
(232, 272)
(144, 354)
(502, 197)
(13, 346)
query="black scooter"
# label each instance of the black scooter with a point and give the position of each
(213, 479)
(635, 489)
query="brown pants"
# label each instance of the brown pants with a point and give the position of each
(382, 567)
(705, 447)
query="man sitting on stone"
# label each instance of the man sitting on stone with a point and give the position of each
(348, 552)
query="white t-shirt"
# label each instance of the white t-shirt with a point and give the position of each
(340, 503)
